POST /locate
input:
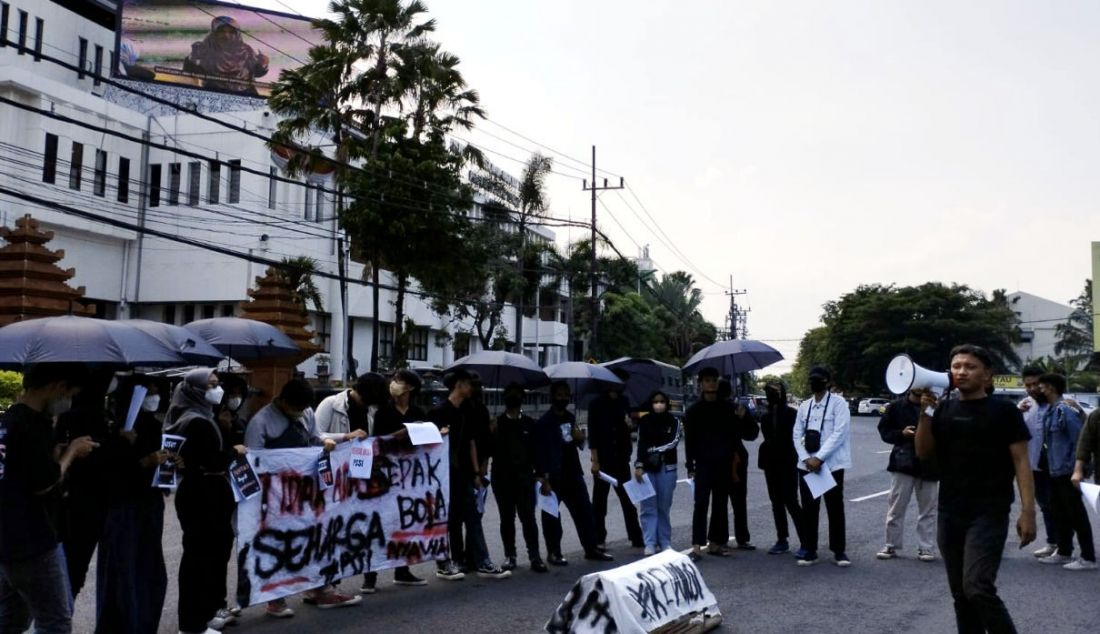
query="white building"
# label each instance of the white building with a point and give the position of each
(69, 139)
(1039, 317)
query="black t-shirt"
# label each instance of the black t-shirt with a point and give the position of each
(972, 454)
(388, 420)
(27, 520)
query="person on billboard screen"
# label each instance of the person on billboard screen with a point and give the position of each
(224, 54)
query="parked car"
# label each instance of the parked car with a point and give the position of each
(872, 406)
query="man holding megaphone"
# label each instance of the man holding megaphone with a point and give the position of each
(980, 444)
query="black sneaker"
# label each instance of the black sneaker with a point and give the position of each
(509, 563)
(492, 571)
(781, 547)
(842, 560)
(449, 572)
(404, 577)
(370, 583)
(556, 560)
(598, 555)
(538, 565)
(745, 546)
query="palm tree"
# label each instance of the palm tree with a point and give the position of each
(298, 273)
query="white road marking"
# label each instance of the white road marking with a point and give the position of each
(887, 451)
(868, 497)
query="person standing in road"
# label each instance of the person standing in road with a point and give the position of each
(1034, 406)
(979, 444)
(34, 585)
(739, 476)
(1088, 450)
(658, 436)
(558, 442)
(1061, 429)
(512, 442)
(821, 438)
(908, 475)
(779, 462)
(609, 430)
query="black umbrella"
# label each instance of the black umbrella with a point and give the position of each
(645, 377)
(733, 356)
(500, 369)
(193, 348)
(244, 339)
(72, 339)
(583, 378)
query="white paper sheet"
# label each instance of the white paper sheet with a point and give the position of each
(819, 481)
(547, 503)
(1091, 493)
(135, 406)
(362, 459)
(608, 479)
(423, 433)
(639, 491)
(481, 496)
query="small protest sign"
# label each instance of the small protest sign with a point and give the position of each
(166, 475)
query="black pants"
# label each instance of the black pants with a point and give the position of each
(85, 516)
(834, 506)
(739, 500)
(515, 496)
(469, 549)
(600, 489)
(1042, 498)
(131, 578)
(783, 492)
(571, 492)
(1070, 517)
(712, 483)
(971, 547)
(205, 507)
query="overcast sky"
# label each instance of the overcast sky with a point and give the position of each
(807, 147)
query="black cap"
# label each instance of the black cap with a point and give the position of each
(821, 371)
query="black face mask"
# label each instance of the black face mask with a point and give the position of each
(561, 403)
(818, 384)
(1040, 397)
(774, 397)
(513, 402)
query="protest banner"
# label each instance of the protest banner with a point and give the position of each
(296, 535)
(662, 593)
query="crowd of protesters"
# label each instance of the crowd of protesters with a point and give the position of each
(74, 482)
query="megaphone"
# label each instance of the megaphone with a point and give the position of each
(903, 375)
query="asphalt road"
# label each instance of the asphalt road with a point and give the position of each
(756, 592)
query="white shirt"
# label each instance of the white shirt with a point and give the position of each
(1033, 418)
(830, 416)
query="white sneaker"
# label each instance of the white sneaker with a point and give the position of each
(926, 555)
(648, 552)
(1046, 551)
(1080, 564)
(221, 619)
(1056, 559)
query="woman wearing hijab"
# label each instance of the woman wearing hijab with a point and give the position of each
(204, 500)
(223, 54)
(131, 579)
(658, 435)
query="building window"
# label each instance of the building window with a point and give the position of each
(308, 203)
(188, 313)
(39, 27)
(208, 311)
(175, 172)
(76, 165)
(99, 183)
(123, 179)
(418, 343)
(461, 344)
(49, 167)
(322, 329)
(214, 183)
(82, 58)
(319, 210)
(97, 65)
(154, 185)
(5, 14)
(169, 314)
(227, 310)
(21, 42)
(234, 181)
(271, 184)
(194, 179)
(385, 342)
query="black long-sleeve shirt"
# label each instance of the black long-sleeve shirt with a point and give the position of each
(608, 433)
(657, 430)
(900, 414)
(777, 426)
(205, 448)
(713, 432)
(556, 453)
(513, 447)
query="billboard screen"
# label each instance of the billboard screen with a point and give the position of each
(210, 45)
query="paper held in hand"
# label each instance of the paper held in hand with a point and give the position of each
(362, 459)
(608, 479)
(166, 473)
(1091, 494)
(135, 406)
(423, 433)
(819, 481)
(639, 491)
(547, 503)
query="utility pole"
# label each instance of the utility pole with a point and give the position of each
(595, 299)
(737, 315)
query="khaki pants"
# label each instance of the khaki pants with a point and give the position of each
(902, 487)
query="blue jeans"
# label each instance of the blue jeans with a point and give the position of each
(36, 589)
(656, 522)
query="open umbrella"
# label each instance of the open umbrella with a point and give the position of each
(646, 376)
(193, 348)
(583, 378)
(733, 356)
(244, 339)
(72, 339)
(500, 369)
